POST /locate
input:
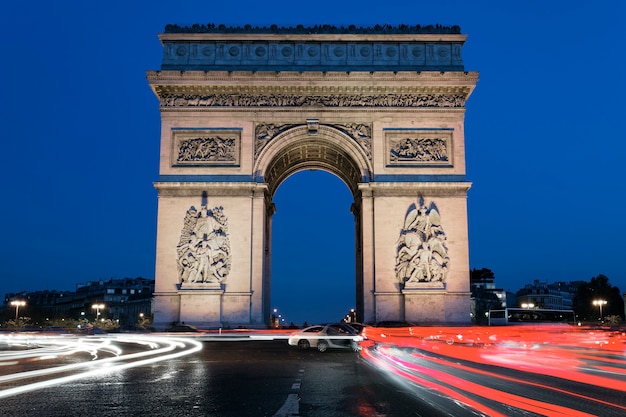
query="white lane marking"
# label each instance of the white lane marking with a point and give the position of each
(290, 408)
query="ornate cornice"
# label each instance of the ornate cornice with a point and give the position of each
(387, 78)
(400, 189)
(246, 89)
(182, 189)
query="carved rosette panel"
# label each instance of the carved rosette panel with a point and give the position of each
(361, 133)
(206, 147)
(421, 251)
(204, 247)
(334, 100)
(296, 54)
(419, 147)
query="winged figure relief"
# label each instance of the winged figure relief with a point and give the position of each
(421, 252)
(204, 248)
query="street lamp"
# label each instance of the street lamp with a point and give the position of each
(97, 307)
(599, 303)
(17, 304)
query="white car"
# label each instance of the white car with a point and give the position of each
(323, 337)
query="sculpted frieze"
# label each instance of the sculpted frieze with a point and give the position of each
(204, 247)
(330, 100)
(421, 251)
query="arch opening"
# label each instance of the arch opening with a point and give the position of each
(310, 283)
(312, 154)
(340, 165)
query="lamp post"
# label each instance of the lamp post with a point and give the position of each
(17, 304)
(97, 307)
(599, 303)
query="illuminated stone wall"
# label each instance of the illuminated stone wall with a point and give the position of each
(240, 112)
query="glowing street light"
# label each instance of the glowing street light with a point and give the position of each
(17, 304)
(98, 307)
(599, 303)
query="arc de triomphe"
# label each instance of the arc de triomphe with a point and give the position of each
(242, 109)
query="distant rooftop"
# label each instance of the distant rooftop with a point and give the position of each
(317, 29)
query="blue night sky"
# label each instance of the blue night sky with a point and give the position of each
(80, 128)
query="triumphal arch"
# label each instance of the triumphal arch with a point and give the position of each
(242, 109)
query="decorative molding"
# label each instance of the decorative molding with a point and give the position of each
(419, 147)
(421, 251)
(312, 126)
(201, 147)
(187, 188)
(405, 189)
(408, 81)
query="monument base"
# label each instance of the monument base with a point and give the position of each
(424, 301)
(201, 304)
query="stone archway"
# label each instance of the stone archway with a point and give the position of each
(315, 146)
(333, 148)
(241, 110)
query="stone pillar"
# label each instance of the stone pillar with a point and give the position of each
(368, 255)
(259, 260)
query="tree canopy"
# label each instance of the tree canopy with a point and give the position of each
(598, 288)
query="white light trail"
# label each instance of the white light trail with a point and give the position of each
(159, 349)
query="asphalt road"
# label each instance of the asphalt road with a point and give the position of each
(191, 376)
(243, 378)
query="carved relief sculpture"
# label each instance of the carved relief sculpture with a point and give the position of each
(421, 252)
(265, 132)
(206, 146)
(204, 248)
(206, 149)
(286, 100)
(416, 149)
(361, 133)
(419, 147)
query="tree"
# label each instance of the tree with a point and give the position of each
(483, 297)
(482, 276)
(598, 288)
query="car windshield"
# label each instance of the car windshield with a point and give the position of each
(340, 329)
(314, 329)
